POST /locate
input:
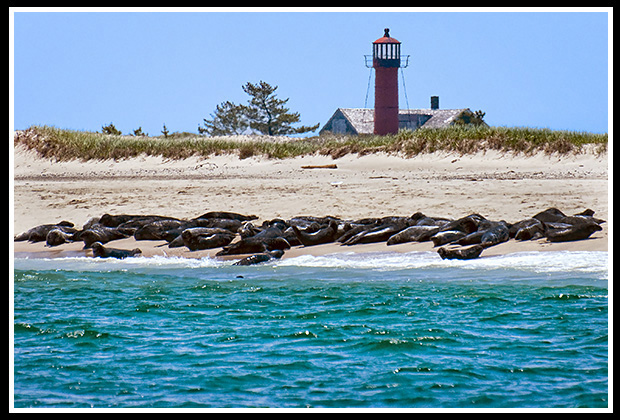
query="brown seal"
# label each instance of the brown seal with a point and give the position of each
(446, 237)
(460, 253)
(206, 238)
(254, 246)
(39, 233)
(321, 236)
(413, 234)
(384, 228)
(495, 235)
(573, 233)
(227, 215)
(103, 252)
(57, 237)
(103, 234)
(260, 258)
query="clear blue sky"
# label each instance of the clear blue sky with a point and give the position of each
(82, 70)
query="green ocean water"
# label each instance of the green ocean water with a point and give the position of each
(348, 330)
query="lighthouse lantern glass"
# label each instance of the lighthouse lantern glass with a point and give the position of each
(389, 51)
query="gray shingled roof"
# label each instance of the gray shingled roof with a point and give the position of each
(439, 117)
(362, 119)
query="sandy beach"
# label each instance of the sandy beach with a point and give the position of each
(497, 186)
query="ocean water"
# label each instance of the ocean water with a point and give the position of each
(345, 330)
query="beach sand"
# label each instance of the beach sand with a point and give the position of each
(498, 186)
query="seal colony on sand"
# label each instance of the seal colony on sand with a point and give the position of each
(236, 234)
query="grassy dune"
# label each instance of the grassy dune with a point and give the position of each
(61, 144)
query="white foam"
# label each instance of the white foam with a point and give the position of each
(113, 264)
(538, 262)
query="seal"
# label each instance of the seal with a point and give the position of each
(530, 231)
(378, 234)
(142, 221)
(248, 230)
(418, 233)
(556, 226)
(57, 237)
(261, 258)
(39, 233)
(291, 238)
(103, 234)
(156, 230)
(515, 227)
(423, 220)
(227, 215)
(467, 224)
(254, 246)
(103, 252)
(580, 219)
(322, 236)
(460, 253)
(550, 215)
(354, 229)
(159, 230)
(130, 220)
(304, 222)
(447, 236)
(199, 238)
(387, 227)
(275, 230)
(495, 235)
(472, 239)
(112, 220)
(573, 233)
(232, 225)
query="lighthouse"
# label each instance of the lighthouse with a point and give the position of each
(386, 62)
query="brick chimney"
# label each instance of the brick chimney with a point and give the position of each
(434, 102)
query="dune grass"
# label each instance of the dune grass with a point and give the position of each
(62, 144)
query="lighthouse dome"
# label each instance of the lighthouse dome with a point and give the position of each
(386, 38)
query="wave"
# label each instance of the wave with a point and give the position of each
(112, 264)
(540, 262)
(536, 261)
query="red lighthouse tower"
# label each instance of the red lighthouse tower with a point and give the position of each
(386, 61)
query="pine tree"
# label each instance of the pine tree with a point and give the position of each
(469, 118)
(228, 119)
(268, 115)
(265, 114)
(110, 129)
(139, 133)
(165, 131)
